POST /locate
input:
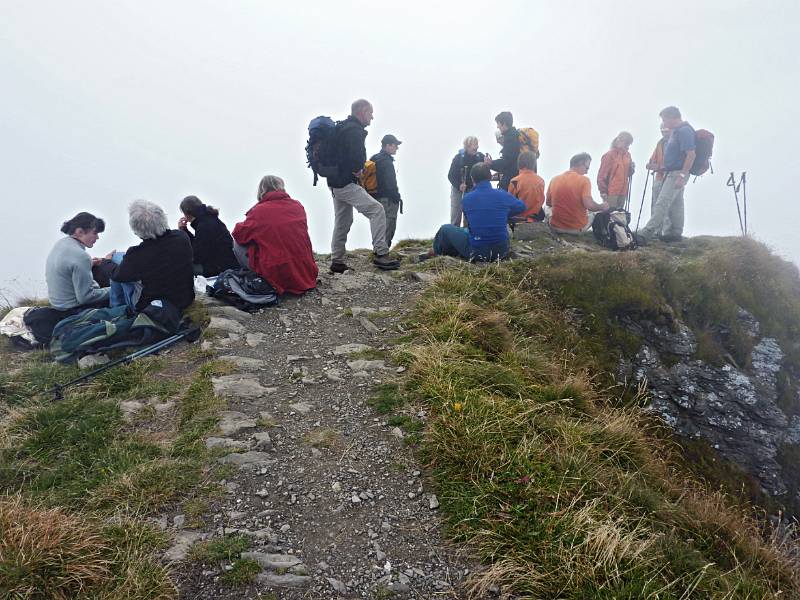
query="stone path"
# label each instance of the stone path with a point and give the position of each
(334, 500)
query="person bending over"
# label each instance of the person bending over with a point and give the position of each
(162, 262)
(212, 244)
(487, 211)
(68, 270)
(273, 240)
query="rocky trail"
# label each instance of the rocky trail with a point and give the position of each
(331, 494)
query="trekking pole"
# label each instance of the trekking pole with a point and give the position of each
(628, 196)
(744, 199)
(733, 184)
(641, 206)
(191, 334)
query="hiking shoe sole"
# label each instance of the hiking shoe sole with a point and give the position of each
(338, 267)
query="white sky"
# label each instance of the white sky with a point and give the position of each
(105, 102)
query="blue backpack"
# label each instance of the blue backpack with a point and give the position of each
(321, 154)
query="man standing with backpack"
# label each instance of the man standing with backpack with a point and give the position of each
(666, 220)
(388, 194)
(507, 163)
(350, 156)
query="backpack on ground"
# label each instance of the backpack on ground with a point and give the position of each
(321, 152)
(611, 229)
(103, 329)
(528, 140)
(244, 289)
(369, 178)
(703, 147)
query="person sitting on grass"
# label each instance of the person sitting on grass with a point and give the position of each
(570, 196)
(212, 245)
(162, 263)
(273, 240)
(488, 211)
(528, 187)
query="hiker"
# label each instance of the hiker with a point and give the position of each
(212, 245)
(616, 170)
(570, 196)
(666, 220)
(487, 211)
(273, 240)
(459, 178)
(161, 263)
(347, 194)
(656, 165)
(68, 270)
(388, 194)
(528, 187)
(507, 163)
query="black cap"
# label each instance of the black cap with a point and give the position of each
(390, 139)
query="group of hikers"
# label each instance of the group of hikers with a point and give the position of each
(273, 242)
(480, 214)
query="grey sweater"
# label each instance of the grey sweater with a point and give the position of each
(69, 276)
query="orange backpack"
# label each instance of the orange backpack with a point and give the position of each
(529, 140)
(369, 178)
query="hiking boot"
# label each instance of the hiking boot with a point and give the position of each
(338, 267)
(386, 262)
(425, 256)
(668, 239)
(641, 240)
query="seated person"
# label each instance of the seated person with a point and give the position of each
(487, 211)
(528, 187)
(273, 240)
(212, 244)
(68, 270)
(570, 196)
(162, 262)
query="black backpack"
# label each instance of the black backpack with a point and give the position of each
(321, 151)
(244, 289)
(611, 229)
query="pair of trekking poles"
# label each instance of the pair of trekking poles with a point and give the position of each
(628, 198)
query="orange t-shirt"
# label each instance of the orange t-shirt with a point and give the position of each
(565, 194)
(528, 187)
(612, 178)
(658, 158)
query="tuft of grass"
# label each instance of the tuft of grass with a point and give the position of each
(564, 490)
(218, 549)
(242, 572)
(368, 354)
(386, 398)
(322, 437)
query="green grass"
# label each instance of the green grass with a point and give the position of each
(564, 489)
(386, 398)
(242, 572)
(82, 478)
(219, 549)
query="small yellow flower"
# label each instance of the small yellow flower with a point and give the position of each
(458, 406)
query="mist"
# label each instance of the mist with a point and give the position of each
(104, 103)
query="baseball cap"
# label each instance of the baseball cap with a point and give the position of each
(390, 139)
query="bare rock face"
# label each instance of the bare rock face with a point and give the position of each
(735, 409)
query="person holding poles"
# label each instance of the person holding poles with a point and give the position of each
(458, 176)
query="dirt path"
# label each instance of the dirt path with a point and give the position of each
(332, 495)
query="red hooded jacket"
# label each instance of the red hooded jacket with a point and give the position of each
(275, 232)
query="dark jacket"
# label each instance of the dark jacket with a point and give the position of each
(212, 244)
(456, 174)
(387, 177)
(507, 163)
(163, 265)
(350, 150)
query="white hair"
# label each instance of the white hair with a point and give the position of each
(470, 140)
(270, 183)
(147, 220)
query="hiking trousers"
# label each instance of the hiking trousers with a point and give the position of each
(345, 199)
(657, 185)
(456, 206)
(390, 207)
(666, 219)
(616, 201)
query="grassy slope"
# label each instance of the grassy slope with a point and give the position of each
(80, 480)
(553, 478)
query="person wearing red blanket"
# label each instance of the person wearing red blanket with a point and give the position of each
(273, 240)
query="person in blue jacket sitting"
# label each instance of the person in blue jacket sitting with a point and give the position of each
(488, 211)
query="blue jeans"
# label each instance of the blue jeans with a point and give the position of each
(454, 241)
(120, 294)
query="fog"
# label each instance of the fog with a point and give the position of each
(106, 102)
